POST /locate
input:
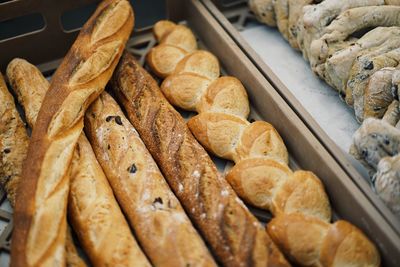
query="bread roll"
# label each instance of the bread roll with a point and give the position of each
(271, 185)
(311, 242)
(233, 233)
(40, 211)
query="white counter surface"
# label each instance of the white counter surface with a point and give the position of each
(317, 97)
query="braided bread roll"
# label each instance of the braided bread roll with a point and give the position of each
(338, 67)
(316, 18)
(348, 22)
(233, 233)
(222, 128)
(312, 242)
(40, 212)
(92, 208)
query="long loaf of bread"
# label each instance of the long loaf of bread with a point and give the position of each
(13, 143)
(233, 233)
(93, 210)
(15, 140)
(260, 176)
(40, 211)
(160, 224)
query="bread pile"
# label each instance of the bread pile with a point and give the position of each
(353, 45)
(138, 189)
(261, 176)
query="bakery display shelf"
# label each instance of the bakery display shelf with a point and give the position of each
(304, 145)
(315, 102)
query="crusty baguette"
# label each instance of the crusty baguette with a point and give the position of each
(232, 232)
(29, 85)
(93, 210)
(18, 141)
(312, 242)
(155, 214)
(40, 211)
(13, 143)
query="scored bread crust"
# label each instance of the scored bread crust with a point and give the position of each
(40, 212)
(93, 211)
(155, 214)
(233, 233)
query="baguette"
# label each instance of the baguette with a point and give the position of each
(13, 143)
(19, 142)
(40, 211)
(93, 210)
(233, 233)
(155, 214)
